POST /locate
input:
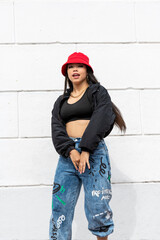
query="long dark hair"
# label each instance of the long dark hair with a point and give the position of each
(119, 121)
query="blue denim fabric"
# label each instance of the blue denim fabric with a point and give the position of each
(97, 189)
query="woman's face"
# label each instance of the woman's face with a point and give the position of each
(77, 72)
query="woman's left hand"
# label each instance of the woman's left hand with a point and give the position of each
(84, 159)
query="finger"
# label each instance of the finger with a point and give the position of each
(75, 166)
(88, 164)
(84, 167)
(77, 162)
(80, 168)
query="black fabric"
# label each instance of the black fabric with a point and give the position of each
(100, 125)
(61, 141)
(101, 122)
(81, 109)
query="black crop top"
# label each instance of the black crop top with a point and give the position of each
(78, 110)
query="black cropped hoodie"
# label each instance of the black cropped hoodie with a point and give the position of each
(100, 125)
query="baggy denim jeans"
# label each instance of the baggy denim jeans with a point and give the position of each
(97, 190)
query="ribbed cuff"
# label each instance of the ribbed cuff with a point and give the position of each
(68, 150)
(86, 149)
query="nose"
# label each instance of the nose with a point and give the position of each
(74, 66)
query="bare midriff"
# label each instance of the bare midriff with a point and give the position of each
(76, 128)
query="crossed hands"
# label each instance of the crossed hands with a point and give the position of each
(80, 160)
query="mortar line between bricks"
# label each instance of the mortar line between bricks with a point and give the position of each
(87, 43)
(61, 90)
(50, 185)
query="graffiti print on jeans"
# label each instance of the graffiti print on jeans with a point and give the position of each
(91, 159)
(58, 188)
(60, 220)
(92, 170)
(109, 177)
(54, 230)
(102, 167)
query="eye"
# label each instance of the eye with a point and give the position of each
(70, 66)
(81, 65)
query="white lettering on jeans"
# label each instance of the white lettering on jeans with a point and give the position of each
(97, 215)
(96, 193)
(59, 221)
(107, 216)
(105, 197)
(104, 191)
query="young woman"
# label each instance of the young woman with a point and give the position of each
(81, 118)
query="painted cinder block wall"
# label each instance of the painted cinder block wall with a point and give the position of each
(122, 39)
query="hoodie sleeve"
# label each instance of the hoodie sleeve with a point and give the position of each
(61, 141)
(101, 122)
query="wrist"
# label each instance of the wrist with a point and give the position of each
(85, 152)
(71, 151)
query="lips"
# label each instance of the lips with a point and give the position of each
(76, 75)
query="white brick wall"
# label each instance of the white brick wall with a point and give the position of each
(122, 39)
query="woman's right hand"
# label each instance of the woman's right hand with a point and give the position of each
(75, 158)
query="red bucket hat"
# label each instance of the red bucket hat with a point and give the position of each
(76, 57)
